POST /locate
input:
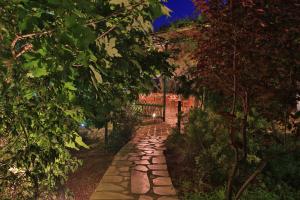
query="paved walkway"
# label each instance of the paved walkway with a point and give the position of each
(139, 170)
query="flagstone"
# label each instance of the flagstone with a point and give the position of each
(141, 168)
(158, 153)
(134, 158)
(111, 179)
(167, 198)
(142, 162)
(141, 153)
(157, 167)
(133, 154)
(124, 184)
(124, 169)
(144, 197)
(112, 170)
(159, 160)
(122, 163)
(121, 157)
(126, 174)
(146, 157)
(164, 190)
(110, 195)
(139, 182)
(109, 187)
(162, 181)
(160, 173)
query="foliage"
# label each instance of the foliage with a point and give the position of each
(246, 56)
(123, 128)
(209, 157)
(63, 63)
(181, 23)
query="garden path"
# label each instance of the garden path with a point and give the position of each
(139, 169)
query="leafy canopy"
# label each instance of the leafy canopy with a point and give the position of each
(62, 62)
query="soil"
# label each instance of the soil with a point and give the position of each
(85, 179)
(181, 171)
(176, 169)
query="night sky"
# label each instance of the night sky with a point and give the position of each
(181, 9)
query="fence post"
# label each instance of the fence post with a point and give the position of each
(164, 98)
(106, 135)
(179, 114)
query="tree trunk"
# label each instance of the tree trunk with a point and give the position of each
(232, 174)
(36, 188)
(203, 99)
(244, 126)
(62, 193)
(106, 135)
(251, 178)
(236, 153)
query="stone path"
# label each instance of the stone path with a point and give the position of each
(139, 170)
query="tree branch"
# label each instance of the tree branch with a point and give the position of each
(106, 32)
(251, 178)
(31, 35)
(27, 46)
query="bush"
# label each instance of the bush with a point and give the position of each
(123, 127)
(218, 194)
(208, 159)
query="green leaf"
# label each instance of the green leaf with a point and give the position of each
(110, 48)
(165, 10)
(31, 63)
(28, 95)
(136, 63)
(54, 2)
(119, 2)
(70, 21)
(70, 86)
(37, 72)
(79, 141)
(42, 51)
(137, 49)
(297, 114)
(71, 145)
(93, 57)
(96, 74)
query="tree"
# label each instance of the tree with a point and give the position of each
(247, 54)
(60, 63)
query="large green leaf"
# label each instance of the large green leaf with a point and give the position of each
(165, 10)
(97, 75)
(79, 141)
(70, 86)
(119, 2)
(38, 72)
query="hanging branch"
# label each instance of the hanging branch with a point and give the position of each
(106, 32)
(28, 47)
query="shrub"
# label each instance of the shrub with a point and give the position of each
(123, 127)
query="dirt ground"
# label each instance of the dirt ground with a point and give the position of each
(96, 160)
(180, 171)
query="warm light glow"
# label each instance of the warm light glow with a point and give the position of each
(153, 115)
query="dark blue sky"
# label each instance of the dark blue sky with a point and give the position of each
(181, 9)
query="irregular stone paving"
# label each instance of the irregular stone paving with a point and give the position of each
(139, 169)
